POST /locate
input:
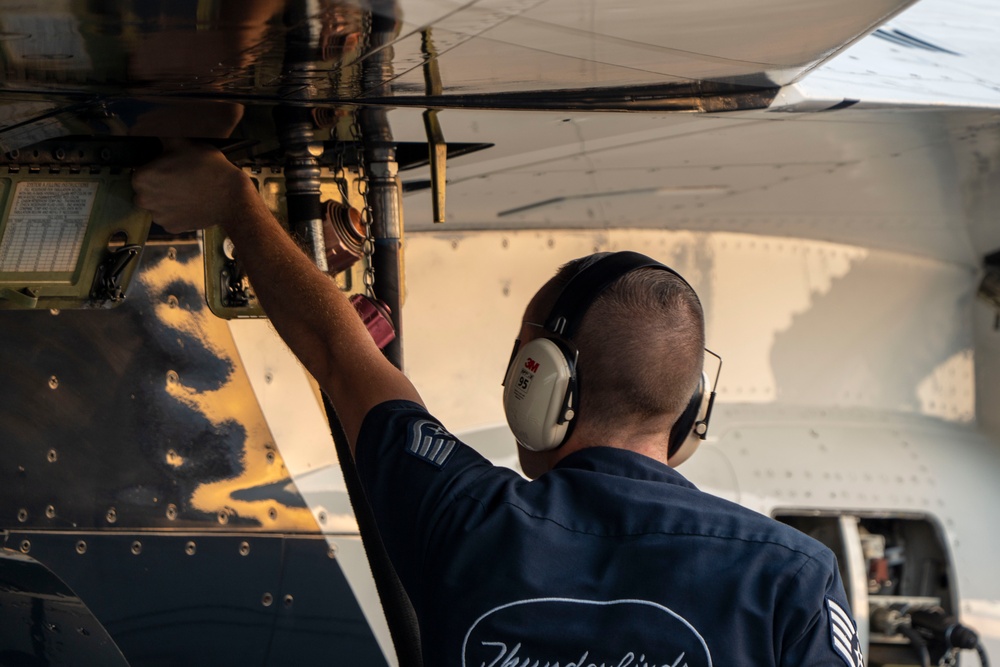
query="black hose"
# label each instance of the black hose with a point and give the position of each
(981, 652)
(917, 643)
(399, 612)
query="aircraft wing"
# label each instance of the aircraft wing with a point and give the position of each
(891, 144)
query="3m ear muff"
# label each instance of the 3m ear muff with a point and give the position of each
(692, 426)
(541, 393)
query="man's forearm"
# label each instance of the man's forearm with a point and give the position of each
(312, 315)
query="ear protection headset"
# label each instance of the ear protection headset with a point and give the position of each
(541, 392)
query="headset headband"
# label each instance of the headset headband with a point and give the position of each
(588, 283)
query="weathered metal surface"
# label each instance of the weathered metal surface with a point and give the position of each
(141, 416)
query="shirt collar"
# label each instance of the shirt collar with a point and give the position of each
(623, 463)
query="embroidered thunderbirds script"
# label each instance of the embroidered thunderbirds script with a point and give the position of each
(844, 636)
(430, 442)
(563, 632)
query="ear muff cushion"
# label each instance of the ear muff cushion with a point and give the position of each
(684, 425)
(534, 394)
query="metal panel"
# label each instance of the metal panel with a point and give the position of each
(141, 416)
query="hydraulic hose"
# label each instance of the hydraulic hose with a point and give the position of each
(981, 652)
(917, 643)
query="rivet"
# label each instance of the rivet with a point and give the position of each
(272, 514)
(172, 377)
(244, 548)
(81, 547)
(60, 154)
(268, 377)
(172, 301)
(270, 457)
(332, 551)
(223, 516)
(171, 512)
(267, 599)
(53, 382)
(171, 253)
(50, 512)
(52, 456)
(322, 517)
(136, 548)
(288, 600)
(190, 548)
(54, 311)
(22, 515)
(112, 515)
(83, 631)
(25, 546)
(105, 154)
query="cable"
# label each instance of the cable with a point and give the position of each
(981, 651)
(399, 612)
(917, 643)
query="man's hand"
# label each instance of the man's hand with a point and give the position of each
(191, 186)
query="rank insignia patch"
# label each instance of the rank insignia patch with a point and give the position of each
(844, 635)
(430, 442)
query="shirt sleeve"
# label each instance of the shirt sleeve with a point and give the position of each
(831, 637)
(412, 469)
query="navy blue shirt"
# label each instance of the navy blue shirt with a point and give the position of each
(611, 559)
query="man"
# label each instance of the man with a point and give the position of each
(608, 558)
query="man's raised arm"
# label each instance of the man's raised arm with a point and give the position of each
(193, 187)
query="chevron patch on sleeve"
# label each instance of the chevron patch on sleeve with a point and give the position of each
(430, 442)
(844, 635)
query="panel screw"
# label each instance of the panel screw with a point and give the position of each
(53, 382)
(267, 599)
(270, 457)
(288, 600)
(172, 301)
(322, 517)
(244, 548)
(50, 512)
(136, 548)
(52, 456)
(25, 546)
(331, 552)
(272, 514)
(171, 512)
(172, 377)
(171, 253)
(22, 515)
(112, 515)
(81, 547)
(190, 548)
(223, 516)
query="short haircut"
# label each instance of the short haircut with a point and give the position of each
(641, 345)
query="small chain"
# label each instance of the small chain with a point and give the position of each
(949, 659)
(361, 183)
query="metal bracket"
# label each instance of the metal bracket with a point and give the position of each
(108, 279)
(23, 298)
(436, 146)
